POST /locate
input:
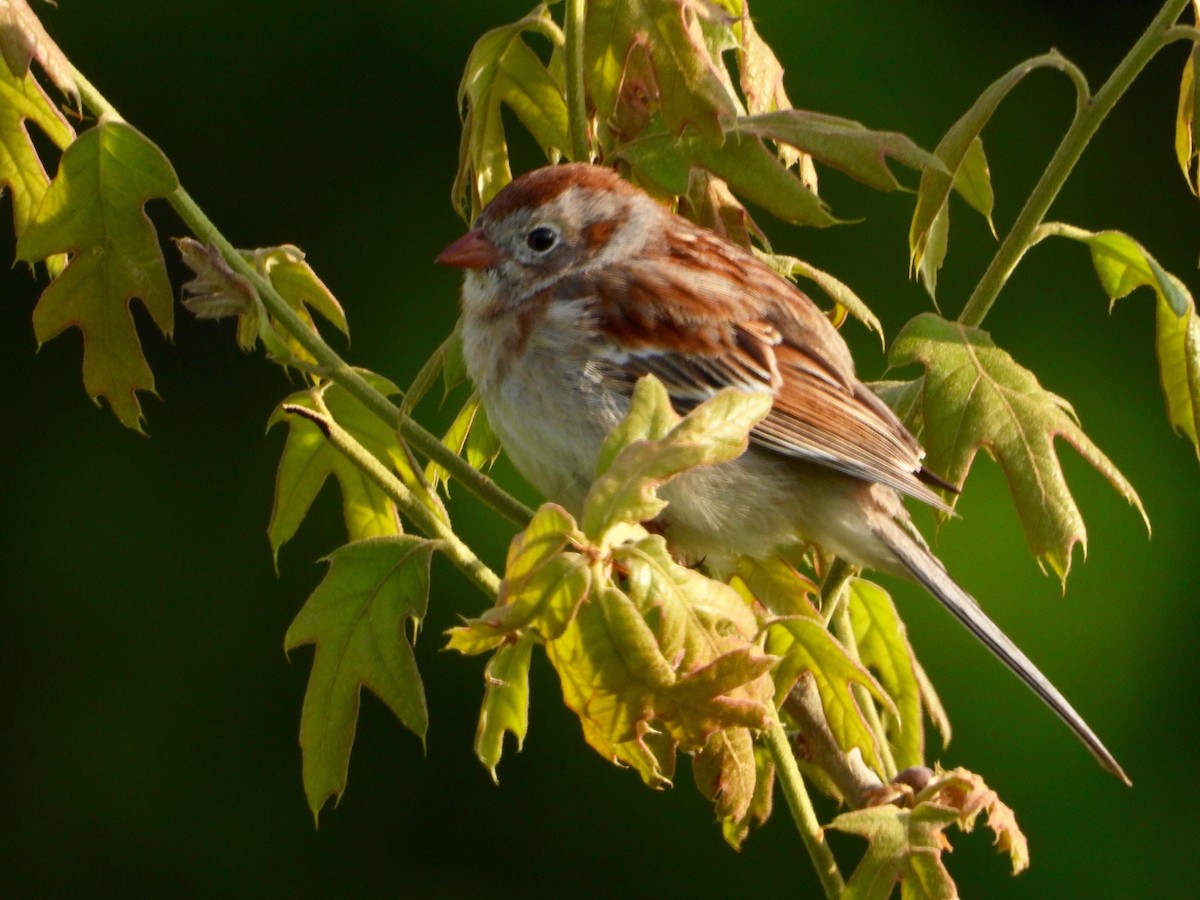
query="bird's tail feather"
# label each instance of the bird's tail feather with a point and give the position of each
(926, 569)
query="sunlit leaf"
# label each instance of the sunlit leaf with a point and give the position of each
(308, 459)
(714, 431)
(356, 619)
(805, 646)
(884, 649)
(504, 71)
(840, 143)
(23, 39)
(469, 432)
(753, 172)
(974, 395)
(675, 70)
(968, 795)
(1123, 265)
(93, 210)
(778, 586)
(1187, 123)
(904, 845)
(964, 169)
(22, 101)
(839, 292)
(505, 702)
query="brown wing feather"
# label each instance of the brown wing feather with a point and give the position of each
(779, 342)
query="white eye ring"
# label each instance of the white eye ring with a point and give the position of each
(541, 239)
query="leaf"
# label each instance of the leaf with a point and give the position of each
(93, 210)
(903, 845)
(297, 283)
(975, 395)
(308, 459)
(778, 586)
(678, 74)
(753, 172)
(356, 619)
(501, 71)
(505, 702)
(1187, 123)
(23, 39)
(736, 829)
(883, 648)
(842, 295)
(1123, 265)
(713, 432)
(470, 431)
(804, 645)
(22, 100)
(968, 795)
(542, 588)
(840, 143)
(964, 169)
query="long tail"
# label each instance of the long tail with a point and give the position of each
(927, 570)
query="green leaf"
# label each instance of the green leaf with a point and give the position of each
(308, 459)
(715, 431)
(884, 649)
(501, 71)
(505, 702)
(778, 586)
(842, 295)
(804, 645)
(677, 74)
(1123, 265)
(93, 210)
(843, 144)
(736, 829)
(1187, 123)
(903, 846)
(356, 619)
(22, 100)
(975, 395)
(542, 588)
(470, 431)
(23, 39)
(964, 169)
(753, 172)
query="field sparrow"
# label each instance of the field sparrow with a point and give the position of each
(577, 283)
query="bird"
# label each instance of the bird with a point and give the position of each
(577, 283)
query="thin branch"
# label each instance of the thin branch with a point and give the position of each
(577, 123)
(1087, 120)
(417, 512)
(800, 804)
(331, 364)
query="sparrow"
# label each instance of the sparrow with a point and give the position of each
(577, 283)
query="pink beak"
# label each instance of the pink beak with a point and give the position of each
(471, 251)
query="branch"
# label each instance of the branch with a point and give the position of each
(1087, 120)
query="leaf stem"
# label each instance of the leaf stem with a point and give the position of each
(577, 124)
(449, 543)
(332, 365)
(1088, 119)
(800, 804)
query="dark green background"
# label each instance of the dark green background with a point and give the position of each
(148, 715)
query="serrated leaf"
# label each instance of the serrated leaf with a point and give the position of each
(883, 648)
(778, 586)
(505, 702)
(804, 645)
(903, 846)
(713, 432)
(1123, 265)
(22, 100)
(838, 291)
(678, 77)
(975, 395)
(965, 170)
(308, 459)
(469, 432)
(501, 71)
(297, 283)
(754, 173)
(356, 619)
(842, 144)
(23, 39)
(968, 795)
(735, 830)
(93, 210)
(1187, 123)
(709, 202)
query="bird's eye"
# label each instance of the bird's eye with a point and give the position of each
(541, 239)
